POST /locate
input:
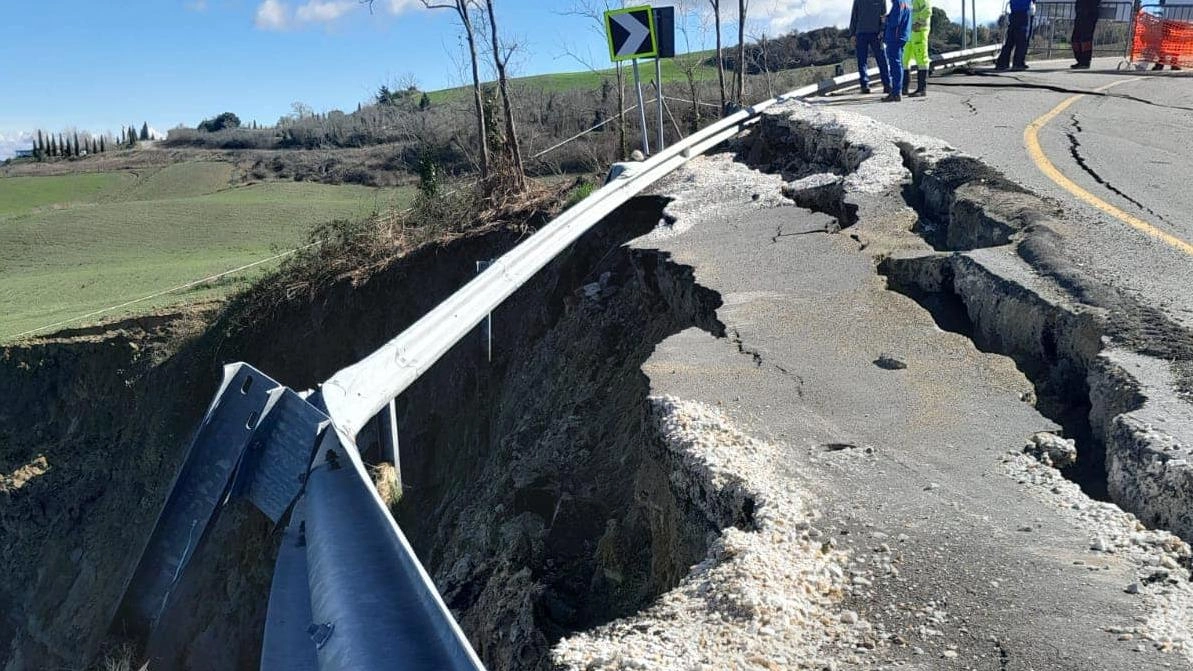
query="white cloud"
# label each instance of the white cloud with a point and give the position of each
(396, 7)
(10, 143)
(324, 11)
(278, 15)
(782, 16)
(272, 15)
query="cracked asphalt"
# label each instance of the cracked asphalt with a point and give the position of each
(1127, 145)
(988, 575)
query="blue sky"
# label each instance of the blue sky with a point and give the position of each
(100, 64)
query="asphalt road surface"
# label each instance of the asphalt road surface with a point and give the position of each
(1120, 152)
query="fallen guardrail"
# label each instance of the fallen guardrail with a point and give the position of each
(348, 592)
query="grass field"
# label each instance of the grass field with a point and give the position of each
(74, 244)
(672, 70)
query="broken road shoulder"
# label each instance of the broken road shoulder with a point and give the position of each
(987, 554)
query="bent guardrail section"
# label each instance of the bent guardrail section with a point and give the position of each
(348, 591)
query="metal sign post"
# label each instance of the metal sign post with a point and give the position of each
(664, 30)
(973, 16)
(964, 23)
(631, 33)
(641, 110)
(658, 78)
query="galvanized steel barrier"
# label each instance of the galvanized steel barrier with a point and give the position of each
(348, 591)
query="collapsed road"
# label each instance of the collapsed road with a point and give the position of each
(810, 416)
(899, 342)
(1116, 134)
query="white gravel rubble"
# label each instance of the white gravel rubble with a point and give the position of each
(1159, 558)
(765, 598)
(712, 184)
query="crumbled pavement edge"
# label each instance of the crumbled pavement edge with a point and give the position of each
(767, 597)
(1158, 558)
(986, 211)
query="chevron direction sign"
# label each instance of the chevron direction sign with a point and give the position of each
(631, 33)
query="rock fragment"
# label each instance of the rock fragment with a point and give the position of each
(1052, 450)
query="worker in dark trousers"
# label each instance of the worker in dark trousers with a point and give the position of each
(1084, 22)
(865, 25)
(1018, 23)
(897, 32)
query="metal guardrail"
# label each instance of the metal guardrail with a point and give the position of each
(348, 591)
(357, 393)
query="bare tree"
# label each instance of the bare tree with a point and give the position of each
(742, 6)
(691, 62)
(463, 10)
(594, 10)
(761, 60)
(501, 59)
(716, 18)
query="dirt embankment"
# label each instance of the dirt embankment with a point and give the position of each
(93, 428)
(497, 460)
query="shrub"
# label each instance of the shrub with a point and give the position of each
(225, 120)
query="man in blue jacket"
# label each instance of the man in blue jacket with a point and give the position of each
(898, 31)
(1018, 23)
(865, 25)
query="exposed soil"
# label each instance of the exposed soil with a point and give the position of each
(498, 459)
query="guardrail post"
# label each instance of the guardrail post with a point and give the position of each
(481, 266)
(389, 437)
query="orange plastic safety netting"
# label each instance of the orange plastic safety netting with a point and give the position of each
(1160, 40)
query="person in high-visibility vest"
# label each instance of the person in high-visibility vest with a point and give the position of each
(917, 48)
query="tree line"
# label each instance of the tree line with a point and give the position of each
(72, 145)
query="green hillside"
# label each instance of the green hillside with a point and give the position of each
(74, 244)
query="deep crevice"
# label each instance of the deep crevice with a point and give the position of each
(952, 197)
(541, 501)
(814, 172)
(1057, 364)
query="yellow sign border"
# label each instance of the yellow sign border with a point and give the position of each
(654, 38)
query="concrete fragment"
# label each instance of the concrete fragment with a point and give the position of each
(1052, 450)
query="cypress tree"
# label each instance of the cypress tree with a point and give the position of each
(132, 135)
(102, 147)
(40, 149)
(145, 131)
(53, 147)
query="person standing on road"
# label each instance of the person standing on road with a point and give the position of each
(917, 48)
(898, 31)
(865, 25)
(1084, 22)
(1018, 23)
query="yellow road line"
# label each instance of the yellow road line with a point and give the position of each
(1031, 138)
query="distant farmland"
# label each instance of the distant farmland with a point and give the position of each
(73, 244)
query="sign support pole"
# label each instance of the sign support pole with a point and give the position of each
(964, 22)
(641, 109)
(973, 16)
(658, 78)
